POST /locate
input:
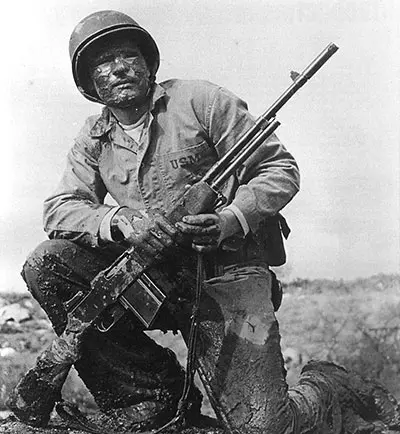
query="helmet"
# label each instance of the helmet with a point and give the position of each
(100, 24)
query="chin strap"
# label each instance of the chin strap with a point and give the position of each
(180, 415)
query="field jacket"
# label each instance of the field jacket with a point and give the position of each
(191, 125)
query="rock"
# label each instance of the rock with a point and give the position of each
(14, 312)
(10, 327)
(7, 352)
(292, 357)
(26, 302)
(43, 325)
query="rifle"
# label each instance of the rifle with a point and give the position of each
(125, 284)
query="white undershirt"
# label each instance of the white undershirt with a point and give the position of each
(135, 130)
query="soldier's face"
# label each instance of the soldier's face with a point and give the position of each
(120, 74)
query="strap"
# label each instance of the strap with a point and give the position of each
(191, 358)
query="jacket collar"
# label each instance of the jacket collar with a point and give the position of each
(106, 120)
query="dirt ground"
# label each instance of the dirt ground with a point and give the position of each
(57, 426)
(353, 323)
(24, 335)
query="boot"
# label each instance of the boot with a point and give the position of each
(34, 397)
(364, 405)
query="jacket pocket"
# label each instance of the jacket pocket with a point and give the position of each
(186, 166)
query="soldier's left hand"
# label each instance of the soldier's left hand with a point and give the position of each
(208, 230)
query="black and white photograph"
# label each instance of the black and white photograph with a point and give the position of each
(200, 217)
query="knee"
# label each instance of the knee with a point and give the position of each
(41, 259)
(44, 254)
(44, 273)
(49, 248)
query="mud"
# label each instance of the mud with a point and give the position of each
(58, 426)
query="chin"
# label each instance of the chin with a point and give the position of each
(128, 100)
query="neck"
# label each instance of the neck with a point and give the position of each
(129, 115)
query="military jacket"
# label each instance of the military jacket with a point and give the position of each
(191, 124)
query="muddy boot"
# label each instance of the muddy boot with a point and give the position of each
(34, 397)
(363, 404)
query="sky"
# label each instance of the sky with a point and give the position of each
(342, 127)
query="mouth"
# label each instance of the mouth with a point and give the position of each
(121, 83)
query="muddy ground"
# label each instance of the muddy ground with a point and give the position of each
(356, 324)
(57, 426)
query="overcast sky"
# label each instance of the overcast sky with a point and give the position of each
(343, 127)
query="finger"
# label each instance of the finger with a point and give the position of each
(198, 230)
(148, 252)
(202, 241)
(201, 219)
(159, 239)
(166, 226)
(124, 226)
(156, 240)
(203, 249)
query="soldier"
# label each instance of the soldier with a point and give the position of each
(151, 141)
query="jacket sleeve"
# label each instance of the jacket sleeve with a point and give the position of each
(268, 179)
(75, 210)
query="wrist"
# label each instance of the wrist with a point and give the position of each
(230, 224)
(106, 226)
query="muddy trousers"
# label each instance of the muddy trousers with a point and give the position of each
(122, 368)
(239, 354)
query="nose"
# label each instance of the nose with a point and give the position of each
(120, 65)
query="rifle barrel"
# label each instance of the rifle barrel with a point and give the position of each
(300, 80)
(213, 176)
(224, 162)
(244, 154)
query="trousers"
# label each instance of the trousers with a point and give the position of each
(239, 356)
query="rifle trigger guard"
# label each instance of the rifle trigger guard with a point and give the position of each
(101, 327)
(109, 318)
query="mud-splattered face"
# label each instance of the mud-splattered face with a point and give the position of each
(120, 74)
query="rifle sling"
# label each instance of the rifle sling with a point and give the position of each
(191, 357)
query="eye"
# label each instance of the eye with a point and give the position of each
(105, 60)
(102, 68)
(131, 59)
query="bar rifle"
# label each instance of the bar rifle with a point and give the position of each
(125, 284)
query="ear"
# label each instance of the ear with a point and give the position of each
(91, 85)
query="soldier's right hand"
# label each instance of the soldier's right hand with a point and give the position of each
(149, 232)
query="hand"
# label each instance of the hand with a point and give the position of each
(209, 230)
(150, 232)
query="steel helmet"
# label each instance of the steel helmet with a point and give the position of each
(100, 24)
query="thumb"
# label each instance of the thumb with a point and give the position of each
(123, 225)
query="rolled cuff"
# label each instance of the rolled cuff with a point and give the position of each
(241, 218)
(105, 225)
